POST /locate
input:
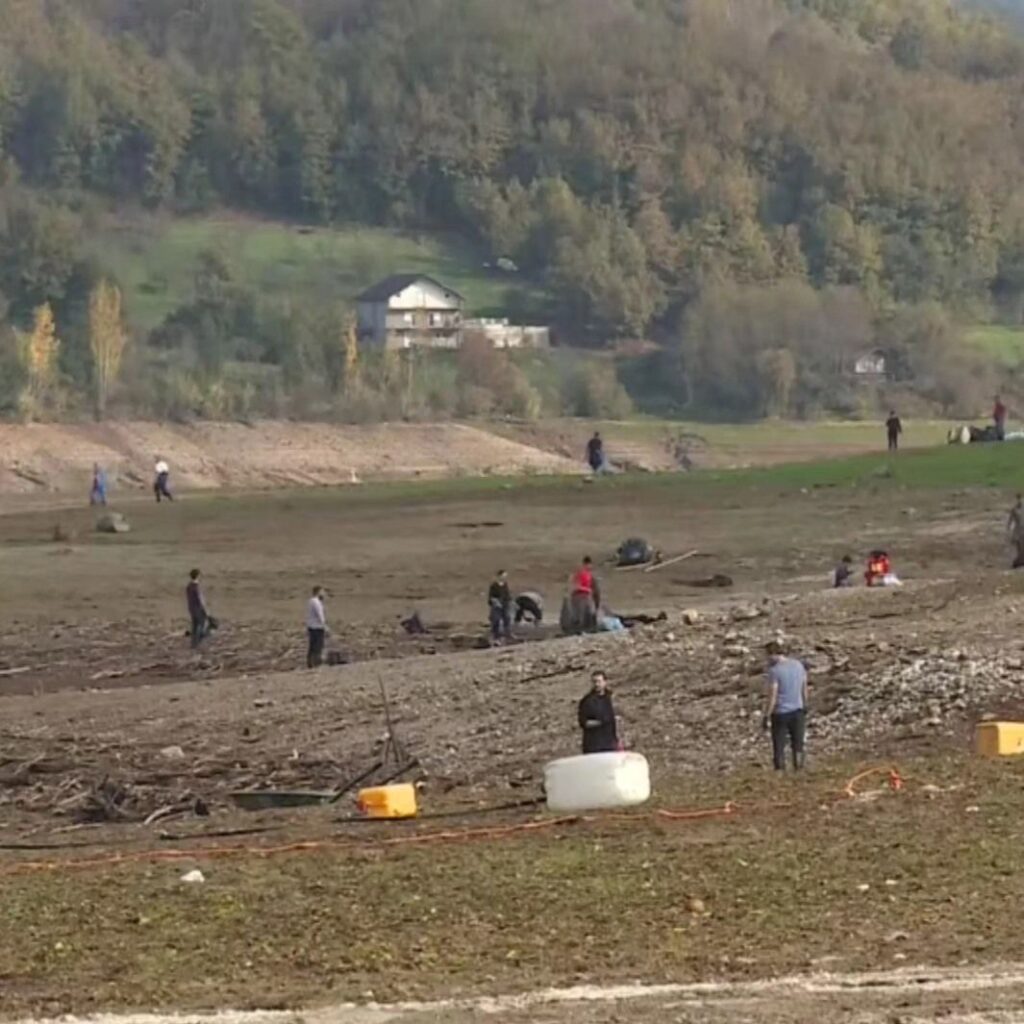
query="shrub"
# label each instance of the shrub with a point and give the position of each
(595, 391)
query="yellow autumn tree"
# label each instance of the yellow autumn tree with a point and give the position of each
(40, 350)
(350, 348)
(107, 340)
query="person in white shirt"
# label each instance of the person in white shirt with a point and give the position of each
(161, 484)
(316, 628)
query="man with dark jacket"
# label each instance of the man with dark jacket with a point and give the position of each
(499, 603)
(197, 613)
(595, 453)
(529, 607)
(597, 718)
(893, 429)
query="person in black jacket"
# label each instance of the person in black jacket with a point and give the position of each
(499, 600)
(199, 617)
(597, 718)
(893, 429)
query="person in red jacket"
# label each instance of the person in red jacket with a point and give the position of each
(999, 418)
(879, 567)
(584, 597)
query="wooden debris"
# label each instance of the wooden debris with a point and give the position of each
(671, 561)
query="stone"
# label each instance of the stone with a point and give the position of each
(746, 612)
(112, 522)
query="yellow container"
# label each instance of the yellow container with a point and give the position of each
(388, 801)
(999, 739)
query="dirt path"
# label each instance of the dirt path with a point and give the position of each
(907, 996)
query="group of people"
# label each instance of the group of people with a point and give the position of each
(878, 572)
(161, 483)
(784, 715)
(583, 610)
(202, 623)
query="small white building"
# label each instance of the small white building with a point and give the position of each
(502, 334)
(870, 364)
(409, 310)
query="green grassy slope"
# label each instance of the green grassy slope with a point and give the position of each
(155, 260)
(1004, 344)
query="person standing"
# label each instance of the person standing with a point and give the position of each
(597, 718)
(584, 597)
(98, 491)
(595, 453)
(999, 418)
(499, 602)
(785, 713)
(162, 481)
(197, 611)
(316, 628)
(893, 429)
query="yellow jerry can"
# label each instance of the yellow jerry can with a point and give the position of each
(999, 739)
(388, 801)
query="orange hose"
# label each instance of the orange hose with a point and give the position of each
(727, 810)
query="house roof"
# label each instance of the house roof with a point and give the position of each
(384, 290)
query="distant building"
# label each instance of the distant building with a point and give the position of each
(414, 310)
(409, 310)
(870, 364)
(502, 334)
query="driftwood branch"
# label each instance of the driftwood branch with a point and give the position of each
(671, 561)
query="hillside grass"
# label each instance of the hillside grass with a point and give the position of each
(979, 466)
(155, 259)
(809, 435)
(1005, 345)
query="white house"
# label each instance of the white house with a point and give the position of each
(870, 364)
(407, 310)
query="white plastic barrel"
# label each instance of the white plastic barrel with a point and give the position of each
(597, 782)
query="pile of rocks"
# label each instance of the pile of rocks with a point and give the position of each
(933, 690)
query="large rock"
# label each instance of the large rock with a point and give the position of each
(112, 522)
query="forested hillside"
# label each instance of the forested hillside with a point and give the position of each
(763, 186)
(1012, 10)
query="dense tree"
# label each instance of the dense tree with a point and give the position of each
(107, 340)
(641, 158)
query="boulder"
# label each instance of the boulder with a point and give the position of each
(112, 522)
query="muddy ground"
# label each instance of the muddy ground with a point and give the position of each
(101, 688)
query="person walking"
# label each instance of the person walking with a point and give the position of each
(162, 481)
(198, 614)
(316, 628)
(595, 453)
(893, 429)
(999, 418)
(785, 713)
(597, 718)
(499, 603)
(98, 490)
